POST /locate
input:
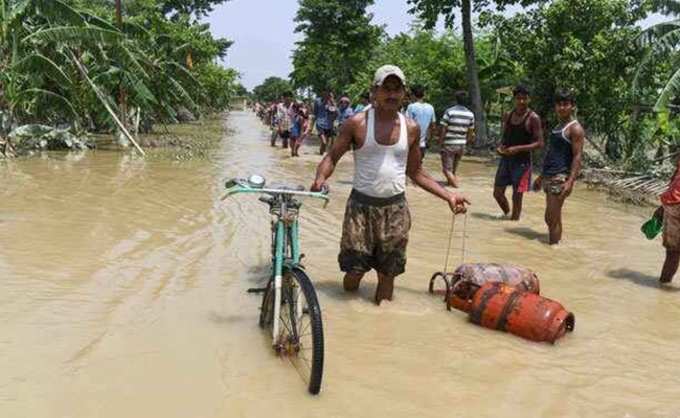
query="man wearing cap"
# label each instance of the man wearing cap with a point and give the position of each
(377, 219)
(344, 110)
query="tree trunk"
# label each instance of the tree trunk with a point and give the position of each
(473, 74)
(122, 94)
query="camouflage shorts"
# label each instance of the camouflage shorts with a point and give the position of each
(375, 235)
(554, 184)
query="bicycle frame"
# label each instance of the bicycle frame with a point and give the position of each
(285, 241)
(286, 237)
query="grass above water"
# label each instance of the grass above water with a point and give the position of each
(193, 140)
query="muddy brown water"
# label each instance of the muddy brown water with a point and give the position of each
(122, 294)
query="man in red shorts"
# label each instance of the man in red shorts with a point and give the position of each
(522, 133)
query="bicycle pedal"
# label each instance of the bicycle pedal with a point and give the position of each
(257, 290)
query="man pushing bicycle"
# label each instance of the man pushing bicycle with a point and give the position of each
(377, 219)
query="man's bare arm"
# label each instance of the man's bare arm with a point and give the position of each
(577, 136)
(470, 138)
(414, 169)
(342, 144)
(431, 129)
(442, 134)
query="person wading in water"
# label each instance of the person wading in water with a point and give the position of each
(457, 130)
(324, 115)
(562, 163)
(669, 214)
(377, 218)
(522, 133)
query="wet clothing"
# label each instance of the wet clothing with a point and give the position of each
(672, 195)
(514, 173)
(328, 133)
(297, 126)
(516, 135)
(380, 170)
(560, 155)
(283, 117)
(451, 156)
(515, 170)
(554, 184)
(344, 114)
(457, 121)
(324, 114)
(423, 114)
(375, 234)
(671, 227)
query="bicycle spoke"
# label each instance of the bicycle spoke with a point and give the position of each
(306, 328)
(290, 331)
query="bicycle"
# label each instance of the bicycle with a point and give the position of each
(290, 308)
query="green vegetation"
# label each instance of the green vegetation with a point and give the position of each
(594, 47)
(61, 61)
(271, 89)
(338, 40)
(430, 10)
(626, 79)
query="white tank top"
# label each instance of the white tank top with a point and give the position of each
(380, 170)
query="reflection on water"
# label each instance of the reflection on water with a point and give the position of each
(123, 294)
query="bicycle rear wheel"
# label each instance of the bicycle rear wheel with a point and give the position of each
(302, 327)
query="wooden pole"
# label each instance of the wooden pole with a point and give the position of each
(102, 99)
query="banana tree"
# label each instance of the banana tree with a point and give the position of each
(661, 43)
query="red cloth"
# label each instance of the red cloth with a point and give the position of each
(672, 195)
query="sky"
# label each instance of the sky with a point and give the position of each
(264, 35)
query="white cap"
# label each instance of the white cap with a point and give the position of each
(385, 71)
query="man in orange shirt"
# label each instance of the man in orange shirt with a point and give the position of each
(670, 213)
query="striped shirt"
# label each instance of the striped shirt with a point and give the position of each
(457, 120)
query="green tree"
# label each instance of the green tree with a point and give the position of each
(435, 62)
(660, 43)
(271, 89)
(62, 61)
(198, 8)
(338, 38)
(430, 10)
(584, 45)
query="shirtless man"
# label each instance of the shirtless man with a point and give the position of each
(562, 163)
(377, 219)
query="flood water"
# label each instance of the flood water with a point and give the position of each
(122, 294)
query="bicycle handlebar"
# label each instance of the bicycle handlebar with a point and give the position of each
(243, 188)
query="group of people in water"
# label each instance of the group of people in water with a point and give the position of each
(291, 120)
(389, 141)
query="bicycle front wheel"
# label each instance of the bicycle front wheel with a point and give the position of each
(301, 327)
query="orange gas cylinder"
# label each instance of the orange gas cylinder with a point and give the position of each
(468, 278)
(502, 307)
